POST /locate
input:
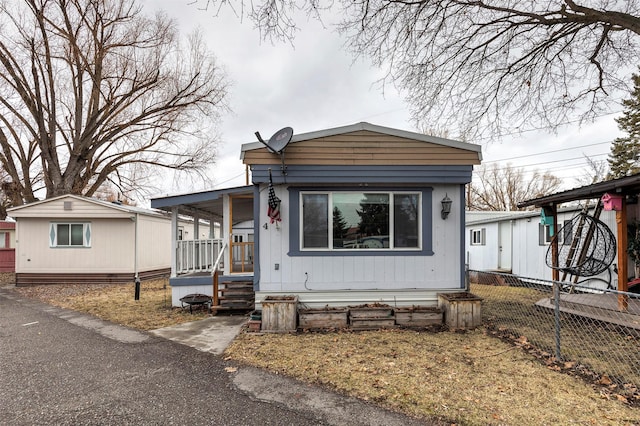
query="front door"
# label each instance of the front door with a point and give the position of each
(241, 234)
(504, 246)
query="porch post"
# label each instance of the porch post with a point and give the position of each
(554, 244)
(196, 227)
(174, 240)
(621, 222)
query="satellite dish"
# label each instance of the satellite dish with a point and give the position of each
(277, 143)
(281, 139)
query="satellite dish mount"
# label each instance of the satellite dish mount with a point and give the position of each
(277, 143)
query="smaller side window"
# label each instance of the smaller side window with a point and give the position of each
(544, 234)
(3, 240)
(477, 237)
(567, 232)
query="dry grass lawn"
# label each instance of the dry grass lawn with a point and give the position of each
(115, 303)
(464, 378)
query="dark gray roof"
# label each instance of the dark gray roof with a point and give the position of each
(207, 203)
(628, 185)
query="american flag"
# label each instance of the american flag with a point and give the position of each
(274, 205)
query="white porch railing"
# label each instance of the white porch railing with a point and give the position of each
(197, 255)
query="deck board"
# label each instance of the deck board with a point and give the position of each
(599, 307)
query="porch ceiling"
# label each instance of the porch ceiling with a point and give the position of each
(209, 203)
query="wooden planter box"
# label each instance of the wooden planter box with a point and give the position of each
(322, 318)
(461, 310)
(279, 314)
(371, 317)
(418, 316)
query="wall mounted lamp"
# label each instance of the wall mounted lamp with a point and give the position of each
(446, 206)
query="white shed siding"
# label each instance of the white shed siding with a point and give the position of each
(483, 257)
(111, 248)
(321, 273)
(154, 243)
(528, 255)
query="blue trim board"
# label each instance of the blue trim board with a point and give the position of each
(294, 224)
(256, 237)
(197, 197)
(187, 280)
(463, 234)
(387, 174)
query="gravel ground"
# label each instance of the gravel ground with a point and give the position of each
(7, 278)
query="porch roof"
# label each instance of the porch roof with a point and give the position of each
(207, 203)
(628, 185)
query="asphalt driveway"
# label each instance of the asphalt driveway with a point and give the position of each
(62, 367)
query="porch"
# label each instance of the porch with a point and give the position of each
(199, 264)
(222, 265)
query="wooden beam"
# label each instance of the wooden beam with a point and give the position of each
(215, 301)
(555, 272)
(623, 285)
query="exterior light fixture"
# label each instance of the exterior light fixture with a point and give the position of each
(446, 206)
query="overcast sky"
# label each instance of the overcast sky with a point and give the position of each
(315, 84)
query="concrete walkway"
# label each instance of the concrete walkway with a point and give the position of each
(208, 335)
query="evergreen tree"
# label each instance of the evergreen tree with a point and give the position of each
(374, 215)
(340, 225)
(624, 158)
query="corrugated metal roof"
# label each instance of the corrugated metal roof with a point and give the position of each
(628, 185)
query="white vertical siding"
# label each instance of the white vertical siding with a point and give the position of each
(111, 248)
(154, 243)
(483, 257)
(442, 270)
(528, 255)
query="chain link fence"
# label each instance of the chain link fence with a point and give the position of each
(593, 332)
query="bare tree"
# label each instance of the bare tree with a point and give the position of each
(479, 67)
(502, 188)
(92, 92)
(596, 171)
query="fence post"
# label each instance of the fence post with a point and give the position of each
(467, 287)
(556, 310)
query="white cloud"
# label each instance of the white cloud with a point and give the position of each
(316, 84)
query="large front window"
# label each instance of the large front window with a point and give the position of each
(360, 221)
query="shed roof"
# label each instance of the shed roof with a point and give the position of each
(24, 210)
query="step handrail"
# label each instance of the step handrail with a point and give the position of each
(216, 265)
(215, 273)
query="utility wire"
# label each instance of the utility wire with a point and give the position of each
(547, 152)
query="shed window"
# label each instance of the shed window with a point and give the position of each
(477, 237)
(566, 236)
(545, 234)
(70, 235)
(360, 221)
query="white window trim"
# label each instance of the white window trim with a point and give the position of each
(330, 222)
(546, 237)
(481, 240)
(86, 234)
